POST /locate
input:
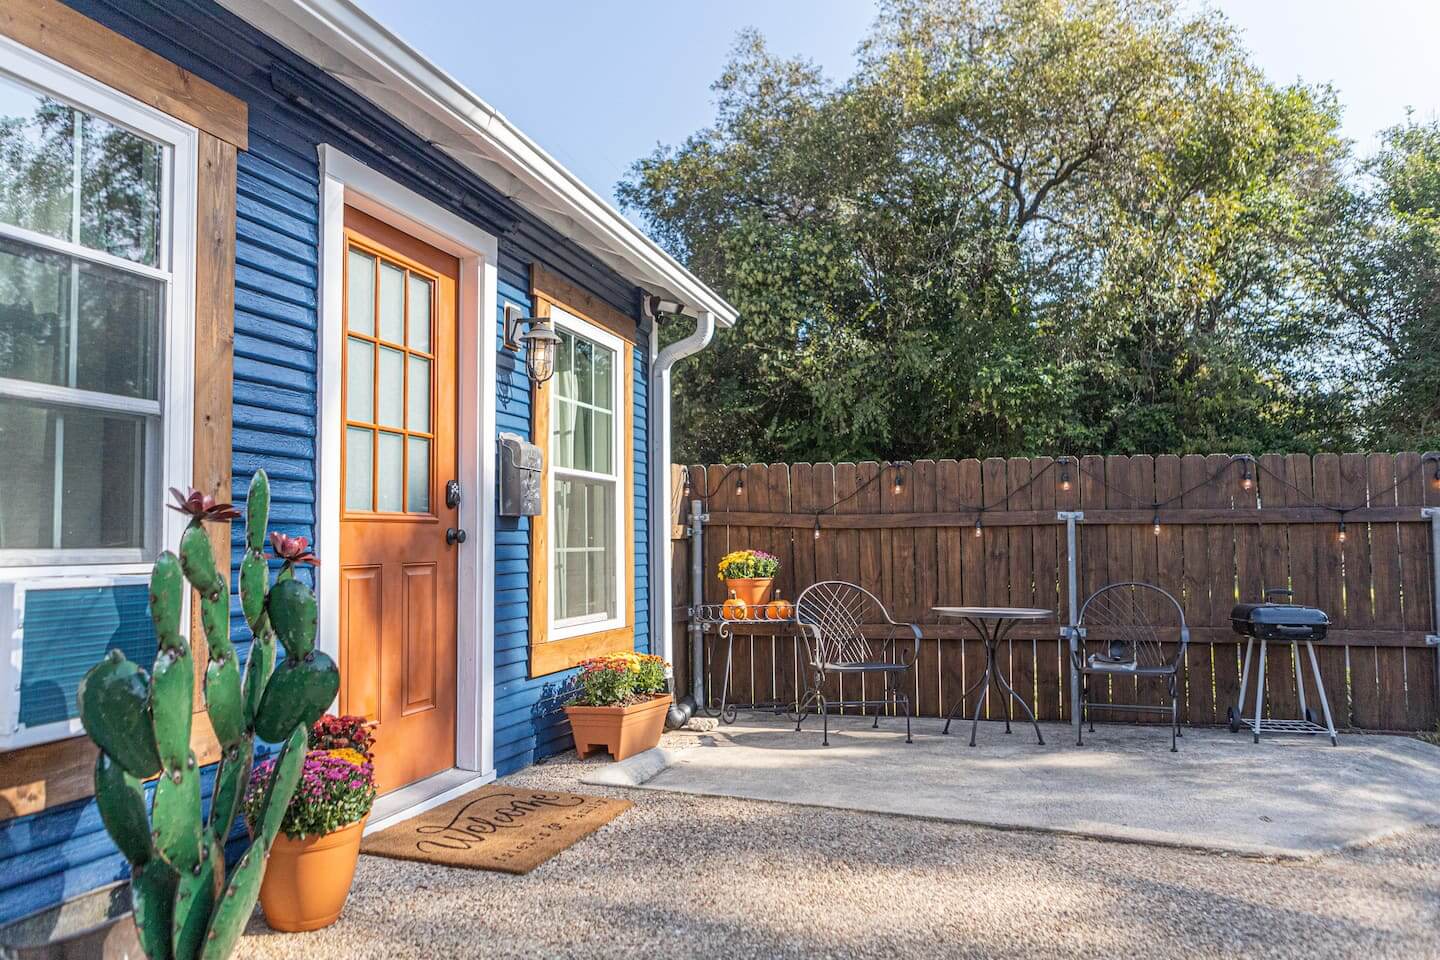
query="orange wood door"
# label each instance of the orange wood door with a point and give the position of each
(398, 574)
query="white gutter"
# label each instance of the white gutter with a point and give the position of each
(662, 641)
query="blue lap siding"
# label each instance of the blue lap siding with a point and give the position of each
(60, 853)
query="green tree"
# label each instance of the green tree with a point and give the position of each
(1021, 226)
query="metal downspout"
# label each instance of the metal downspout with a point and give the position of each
(661, 558)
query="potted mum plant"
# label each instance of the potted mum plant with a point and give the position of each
(312, 861)
(749, 574)
(621, 705)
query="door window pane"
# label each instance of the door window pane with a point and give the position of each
(360, 294)
(391, 401)
(392, 303)
(360, 380)
(420, 292)
(390, 473)
(359, 468)
(418, 413)
(99, 460)
(417, 486)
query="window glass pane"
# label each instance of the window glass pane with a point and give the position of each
(391, 402)
(417, 487)
(584, 370)
(359, 466)
(101, 472)
(390, 473)
(27, 483)
(584, 455)
(119, 192)
(562, 433)
(565, 367)
(585, 551)
(119, 321)
(360, 380)
(360, 297)
(418, 414)
(102, 479)
(392, 303)
(419, 333)
(34, 314)
(37, 161)
(604, 379)
(604, 440)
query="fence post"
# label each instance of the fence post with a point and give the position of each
(1433, 515)
(1071, 631)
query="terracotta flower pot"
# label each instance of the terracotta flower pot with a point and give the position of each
(754, 591)
(624, 731)
(306, 881)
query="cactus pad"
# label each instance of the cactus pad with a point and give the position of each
(223, 700)
(114, 700)
(175, 815)
(167, 593)
(230, 784)
(172, 697)
(195, 895)
(152, 892)
(257, 674)
(293, 613)
(121, 800)
(297, 694)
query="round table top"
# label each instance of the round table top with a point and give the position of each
(995, 613)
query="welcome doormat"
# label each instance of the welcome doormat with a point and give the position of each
(510, 829)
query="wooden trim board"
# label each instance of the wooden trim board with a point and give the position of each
(549, 289)
(60, 33)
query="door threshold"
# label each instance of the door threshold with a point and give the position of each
(416, 798)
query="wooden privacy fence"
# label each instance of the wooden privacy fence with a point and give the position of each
(1209, 529)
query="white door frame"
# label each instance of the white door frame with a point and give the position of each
(345, 180)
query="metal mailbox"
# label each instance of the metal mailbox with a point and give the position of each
(520, 466)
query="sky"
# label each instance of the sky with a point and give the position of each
(599, 84)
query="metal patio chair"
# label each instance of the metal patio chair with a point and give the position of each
(849, 633)
(1132, 623)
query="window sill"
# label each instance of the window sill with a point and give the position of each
(555, 655)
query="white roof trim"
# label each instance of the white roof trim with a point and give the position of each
(356, 49)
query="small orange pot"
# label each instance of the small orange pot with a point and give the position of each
(753, 591)
(624, 731)
(307, 881)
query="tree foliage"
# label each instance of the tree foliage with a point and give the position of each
(1029, 226)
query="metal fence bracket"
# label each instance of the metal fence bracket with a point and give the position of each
(1433, 515)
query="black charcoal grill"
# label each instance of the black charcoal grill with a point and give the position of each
(1293, 624)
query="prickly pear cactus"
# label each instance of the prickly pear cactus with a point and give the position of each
(186, 905)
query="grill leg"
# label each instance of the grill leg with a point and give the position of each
(1299, 680)
(1244, 681)
(1084, 703)
(1320, 689)
(1260, 690)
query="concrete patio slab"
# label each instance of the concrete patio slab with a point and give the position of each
(1287, 797)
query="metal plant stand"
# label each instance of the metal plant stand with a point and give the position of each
(709, 617)
(994, 625)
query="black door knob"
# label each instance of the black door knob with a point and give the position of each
(454, 536)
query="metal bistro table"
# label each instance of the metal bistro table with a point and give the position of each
(994, 625)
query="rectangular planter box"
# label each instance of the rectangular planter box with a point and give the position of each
(624, 731)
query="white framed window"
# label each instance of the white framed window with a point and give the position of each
(586, 515)
(97, 251)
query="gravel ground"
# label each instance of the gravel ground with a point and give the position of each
(704, 877)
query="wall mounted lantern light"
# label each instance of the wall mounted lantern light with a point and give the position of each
(539, 340)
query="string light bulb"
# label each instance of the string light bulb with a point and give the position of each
(1156, 523)
(1435, 480)
(740, 486)
(687, 484)
(1246, 480)
(977, 527)
(1065, 483)
(1340, 535)
(817, 528)
(899, 481)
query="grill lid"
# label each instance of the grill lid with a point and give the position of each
(1279, 614)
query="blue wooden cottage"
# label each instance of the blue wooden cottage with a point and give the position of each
(267, 234)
